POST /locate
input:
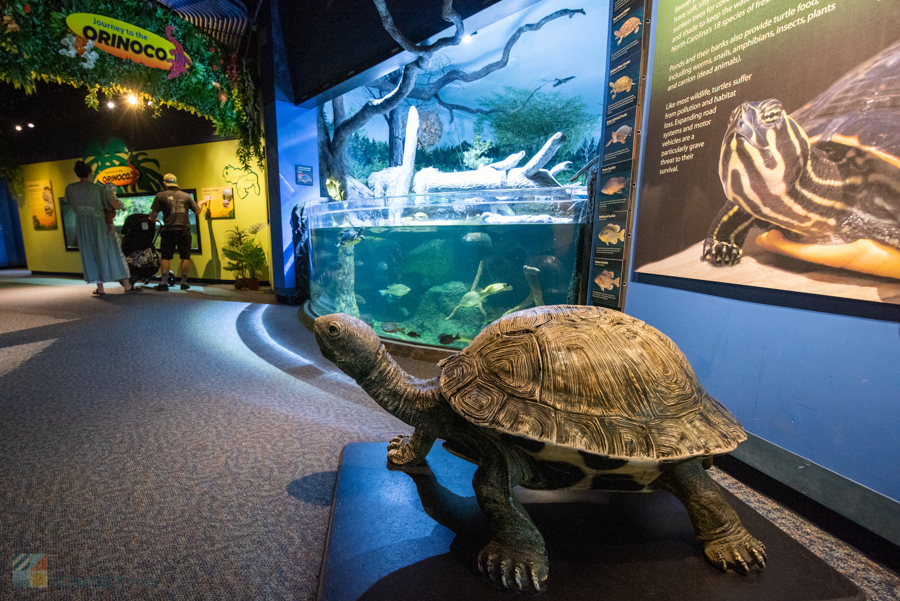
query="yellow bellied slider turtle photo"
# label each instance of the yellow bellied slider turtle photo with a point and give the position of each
(824, 182)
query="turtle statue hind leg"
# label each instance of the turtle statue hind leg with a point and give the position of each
(726, 543)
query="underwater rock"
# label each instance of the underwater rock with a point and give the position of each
(433, 259)
(437, 303)
(495, 219)
(345, 298)
(478, 239)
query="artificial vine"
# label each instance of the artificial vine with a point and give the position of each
(36, 45)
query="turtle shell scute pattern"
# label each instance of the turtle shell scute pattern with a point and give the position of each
(861, 108)
(590, 379)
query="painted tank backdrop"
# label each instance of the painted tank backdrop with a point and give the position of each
(490, 110)
(493, 93)
(773, 147)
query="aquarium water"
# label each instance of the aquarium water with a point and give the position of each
(437, 270)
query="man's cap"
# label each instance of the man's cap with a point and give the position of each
(170, 180)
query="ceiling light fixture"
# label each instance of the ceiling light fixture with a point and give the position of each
(31, 125)
(18, 128)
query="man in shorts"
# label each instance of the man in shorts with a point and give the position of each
(176, 230)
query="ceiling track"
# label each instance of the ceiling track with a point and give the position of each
(225, 20)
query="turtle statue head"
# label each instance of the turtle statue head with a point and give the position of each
(348, 343)
(765, 143)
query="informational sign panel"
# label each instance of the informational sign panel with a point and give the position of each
(304, 175)
(219, 202)
(616, 177)
(772, 145)
(39, 195)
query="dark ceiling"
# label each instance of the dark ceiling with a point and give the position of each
(64, 125)
(325, 43)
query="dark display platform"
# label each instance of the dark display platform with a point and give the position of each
(382, 545)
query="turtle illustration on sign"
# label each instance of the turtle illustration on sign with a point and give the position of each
(630, 26)
(824, 182)
(620, 135)
(623, 84)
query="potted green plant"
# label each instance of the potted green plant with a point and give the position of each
(247, 257)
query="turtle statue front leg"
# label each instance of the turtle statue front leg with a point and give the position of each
(410, 450)
(516, 557)
(726, 542)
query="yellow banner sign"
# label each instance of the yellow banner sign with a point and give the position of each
(127, 41)
(120, 176)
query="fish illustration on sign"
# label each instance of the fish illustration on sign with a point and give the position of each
(613, 185)
(606, 281)
(612, 234)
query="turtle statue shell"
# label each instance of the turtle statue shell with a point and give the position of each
(589, 379)
(558, 397)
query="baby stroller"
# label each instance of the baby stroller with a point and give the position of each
(139, 248)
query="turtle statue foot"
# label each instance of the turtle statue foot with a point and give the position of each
(521, 570)
(410, 450)
(739, 552)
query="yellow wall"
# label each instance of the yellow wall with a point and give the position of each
(197, 166)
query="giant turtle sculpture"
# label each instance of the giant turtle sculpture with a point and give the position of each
(824, 181)
(558, 397)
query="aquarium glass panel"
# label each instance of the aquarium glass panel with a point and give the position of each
(437, 268)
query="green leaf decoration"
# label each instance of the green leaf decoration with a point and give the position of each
(216, 85)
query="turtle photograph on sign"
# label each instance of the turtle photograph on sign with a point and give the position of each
(773, 155)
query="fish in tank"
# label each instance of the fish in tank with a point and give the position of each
(436, 269)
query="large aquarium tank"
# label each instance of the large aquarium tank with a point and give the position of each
(437, 268)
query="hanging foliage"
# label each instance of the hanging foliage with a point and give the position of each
(193, 71)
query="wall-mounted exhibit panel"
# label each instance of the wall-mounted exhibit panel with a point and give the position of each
(138, 177)
(815, 375)
(773, 147)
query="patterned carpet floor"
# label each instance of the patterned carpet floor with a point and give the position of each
(185, 445)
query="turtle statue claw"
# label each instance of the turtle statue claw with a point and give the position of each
(558, 397)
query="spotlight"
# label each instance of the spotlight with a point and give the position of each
(111, 104)
(149, 103)
(467, 38)
(132, 99)
(18, 128)
(31, 125)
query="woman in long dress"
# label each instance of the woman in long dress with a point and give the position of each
(101, 259)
